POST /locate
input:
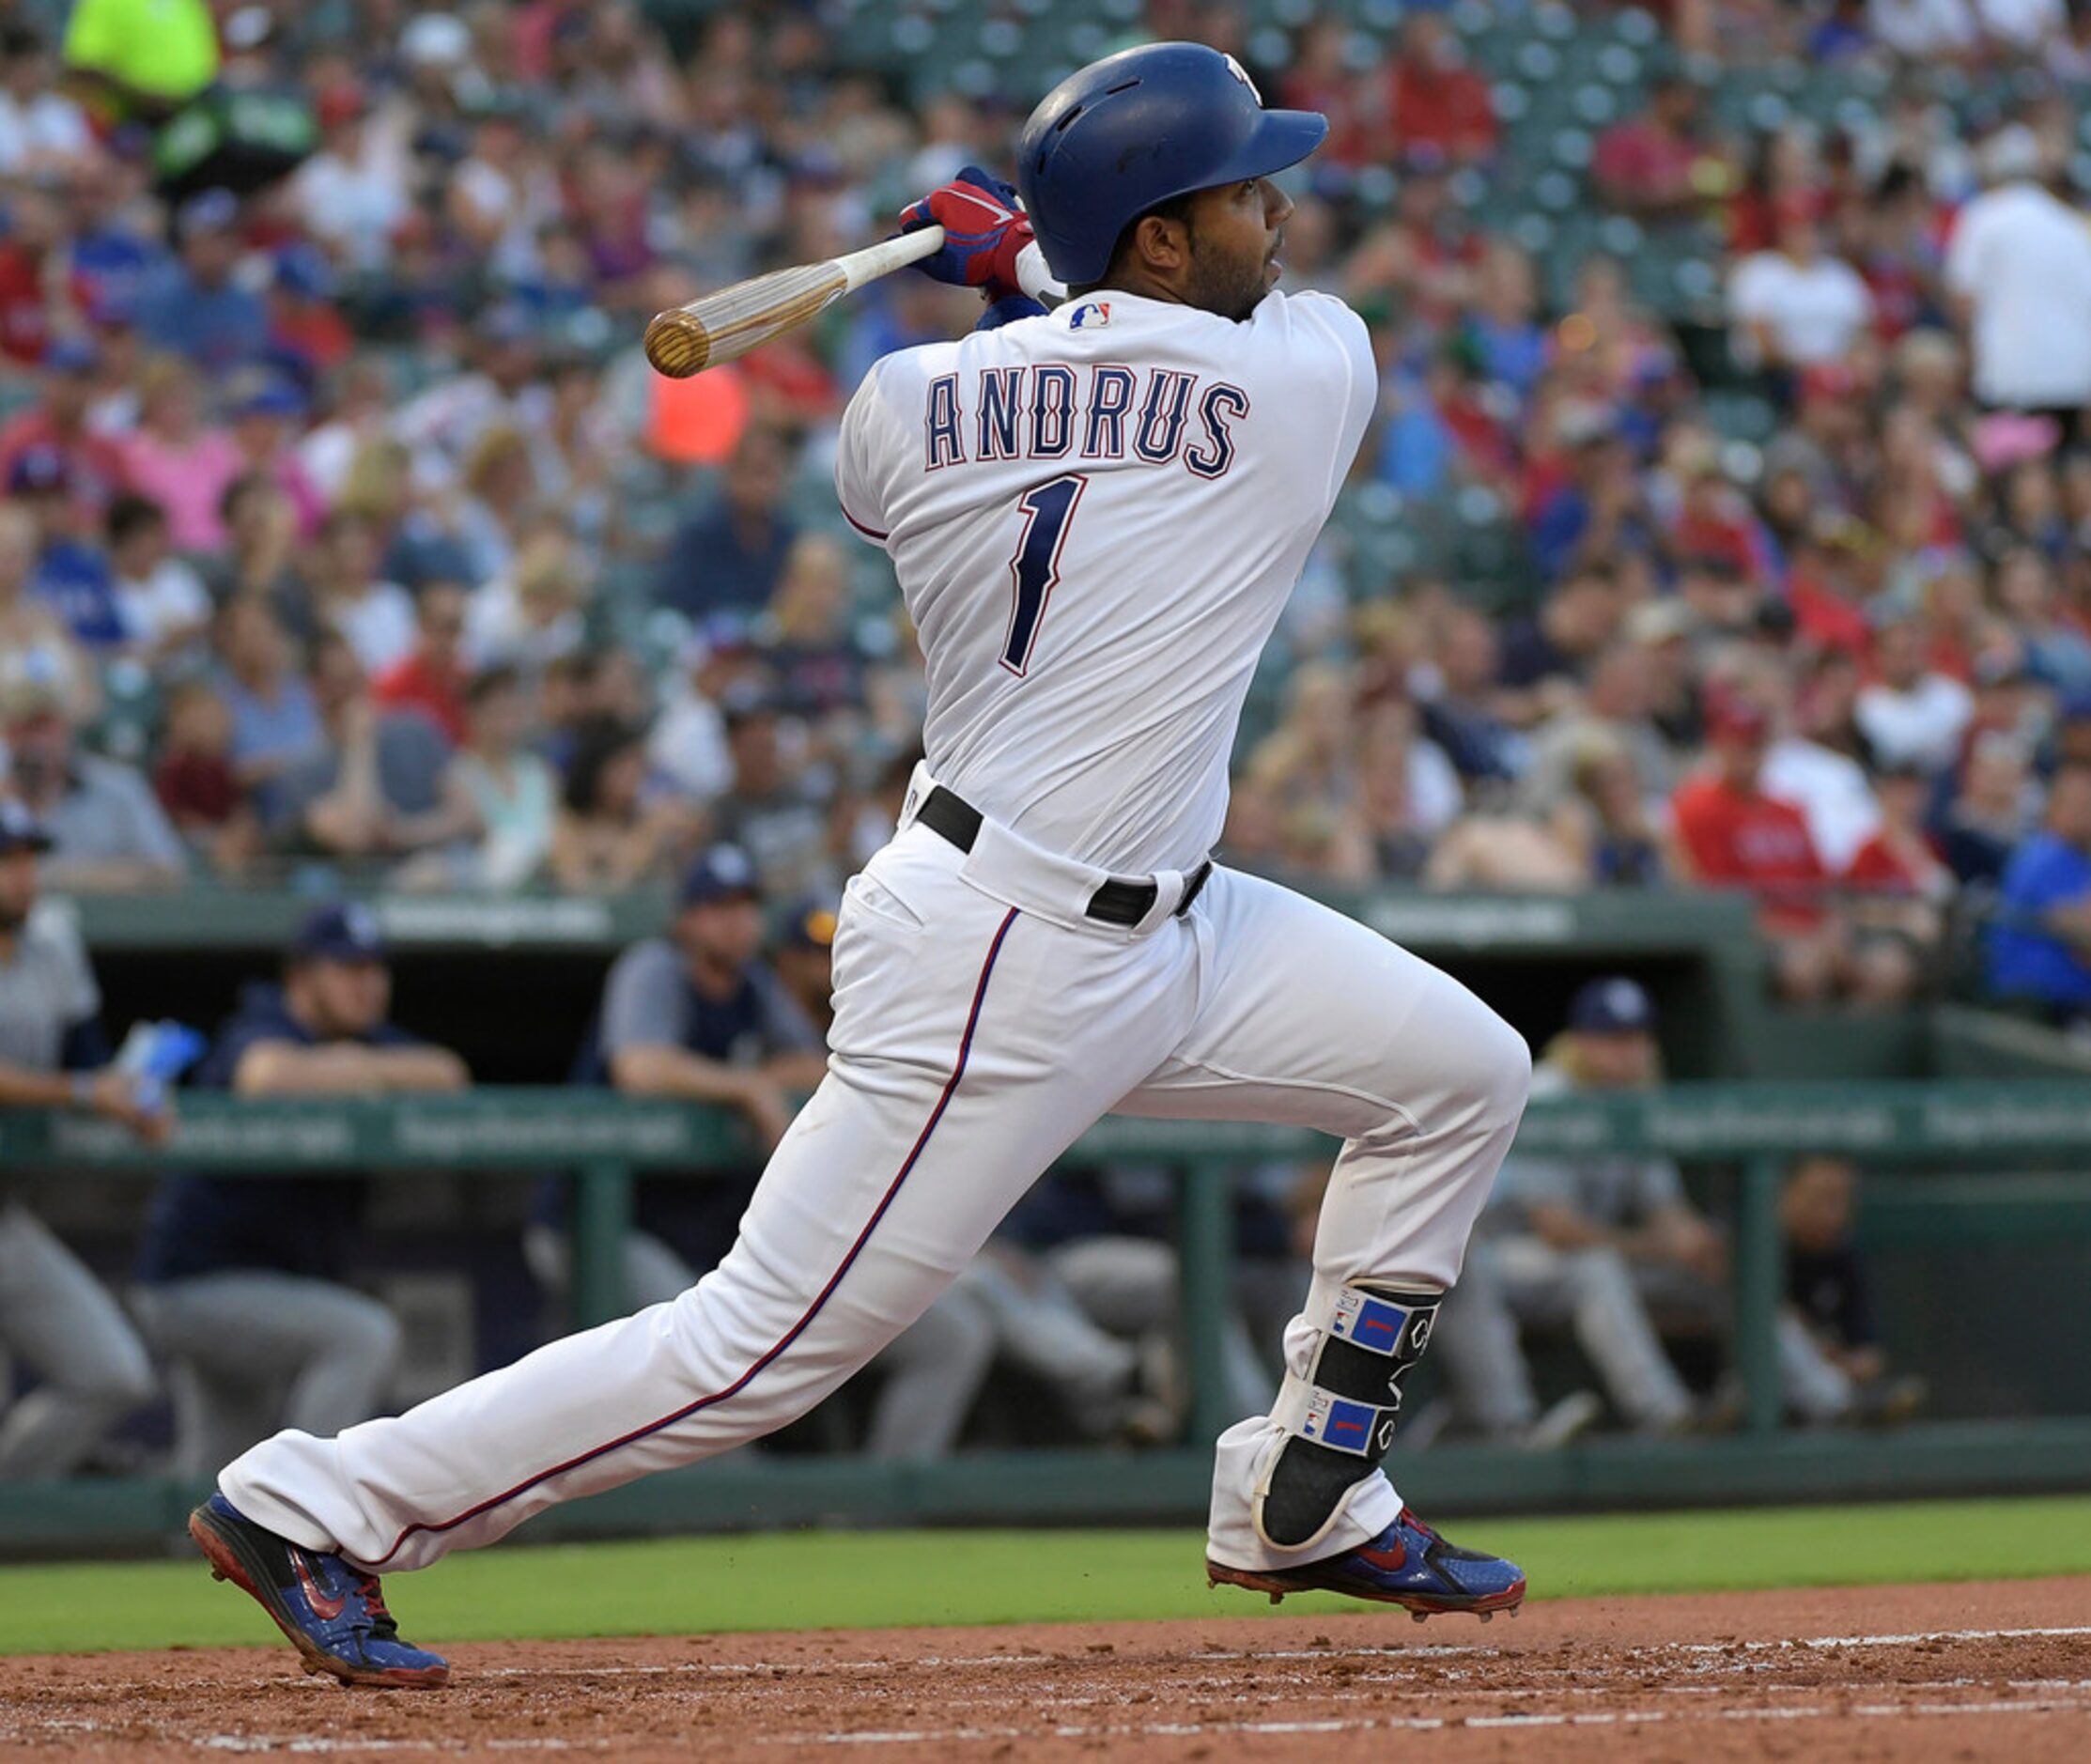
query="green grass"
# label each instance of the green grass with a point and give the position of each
(803, 1580)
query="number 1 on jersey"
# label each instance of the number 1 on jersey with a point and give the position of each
(1035, 568)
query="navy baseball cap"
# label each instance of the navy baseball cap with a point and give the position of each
(302, 270)
(38, 470)
(19, 829)
(345, 932)
(724, 872)
(269, 395)
(810, 925)
(745, 700)
(1613, 1006)
(208, 211)
(72, 355)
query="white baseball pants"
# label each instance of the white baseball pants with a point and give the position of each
(982, 1022)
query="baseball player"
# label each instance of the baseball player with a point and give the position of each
(1096, 515)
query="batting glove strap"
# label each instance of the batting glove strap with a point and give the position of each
(984, 233)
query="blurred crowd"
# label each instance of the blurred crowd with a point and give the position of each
(344, 532)
(345, 537)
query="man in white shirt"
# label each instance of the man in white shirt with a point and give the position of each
(1921, 29)
(40, 128)
(165, 607)
(2018, 270)
(1911, 716)
(1794, 307)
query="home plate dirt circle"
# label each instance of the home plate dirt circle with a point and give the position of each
(1913, 1674)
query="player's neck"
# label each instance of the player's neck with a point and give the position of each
(1127, 279)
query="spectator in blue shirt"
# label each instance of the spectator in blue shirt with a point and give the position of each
(2040, 947)
(193, 306)
(730, 556)
(275, 719)
(244, 1276)
(72, 576)
(1597, 516)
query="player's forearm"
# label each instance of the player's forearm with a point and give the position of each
(421, 1068)
(1560, 1229)
(112, 875)
(674, 1072)
(797, 1072)
(21, 1088)
(284, 1069)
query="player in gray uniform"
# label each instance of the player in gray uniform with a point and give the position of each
(54, 1315)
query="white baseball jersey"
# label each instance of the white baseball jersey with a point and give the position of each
(1096, 518)
(1041, 496)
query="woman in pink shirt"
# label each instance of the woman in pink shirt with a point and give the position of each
(177, 459)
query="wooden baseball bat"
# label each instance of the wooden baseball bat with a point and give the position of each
(686, 340)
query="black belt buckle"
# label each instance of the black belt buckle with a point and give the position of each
(952, 818)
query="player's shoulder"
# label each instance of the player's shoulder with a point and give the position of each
(915, 365)
(1306, 314)
(52, 933)
(1697, 794)
(650, 960)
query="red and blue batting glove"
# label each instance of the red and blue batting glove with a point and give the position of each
(983, 231)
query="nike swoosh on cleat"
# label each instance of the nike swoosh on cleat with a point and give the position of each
(324, 1607)
(1385, 1560)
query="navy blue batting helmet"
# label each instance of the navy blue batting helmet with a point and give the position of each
(1136, 129)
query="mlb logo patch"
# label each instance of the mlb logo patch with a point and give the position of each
(1090, 316)
(1372, 1323)
(1340, 1426)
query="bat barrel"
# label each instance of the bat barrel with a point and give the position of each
(686, 340)
(678, 343)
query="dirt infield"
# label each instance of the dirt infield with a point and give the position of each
(1997, 1670)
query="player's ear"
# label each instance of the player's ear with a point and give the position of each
(1161, 244)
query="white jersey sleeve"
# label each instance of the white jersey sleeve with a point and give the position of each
(867, 454)
(1096, 517)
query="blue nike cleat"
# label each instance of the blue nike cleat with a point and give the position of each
(334, 1615)
(1408, 1564)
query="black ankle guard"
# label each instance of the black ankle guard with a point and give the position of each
(1339, 1419)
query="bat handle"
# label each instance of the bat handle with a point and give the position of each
(889, 254)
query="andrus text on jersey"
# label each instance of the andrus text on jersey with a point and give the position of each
(1105, 410)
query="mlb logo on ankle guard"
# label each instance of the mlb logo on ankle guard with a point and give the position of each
(1377, 1325)
(1342, 1426)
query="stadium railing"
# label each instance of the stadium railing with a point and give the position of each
(1752, 1129)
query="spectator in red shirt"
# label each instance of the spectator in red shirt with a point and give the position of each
(307, 334)
(37, 290)
(1729, 833)
(197, 785)
(56, 424)
(1655, 165)
(1898, 858)
(1434, 99)
(432, 679)
(1321, 78)
(1900, 886)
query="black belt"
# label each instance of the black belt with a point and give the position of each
(1115, 902)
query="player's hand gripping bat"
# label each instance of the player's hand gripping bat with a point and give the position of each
(686, 340)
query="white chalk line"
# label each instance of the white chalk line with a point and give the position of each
(1420, 1724)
